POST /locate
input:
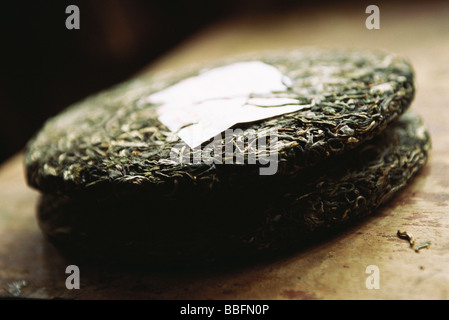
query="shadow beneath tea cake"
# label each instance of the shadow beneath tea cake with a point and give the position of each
(131, 232)
(106, 240)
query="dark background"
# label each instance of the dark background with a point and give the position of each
(46, 67)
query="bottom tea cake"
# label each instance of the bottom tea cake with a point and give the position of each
(238, 222)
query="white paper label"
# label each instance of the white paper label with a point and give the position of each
(201, 107)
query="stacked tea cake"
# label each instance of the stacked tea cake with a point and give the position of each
(238, 159)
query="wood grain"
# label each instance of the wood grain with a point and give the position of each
(333, 269)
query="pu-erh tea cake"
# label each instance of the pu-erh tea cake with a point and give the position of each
(228, 224)
(246, 156)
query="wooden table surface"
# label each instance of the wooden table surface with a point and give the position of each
(334, 269)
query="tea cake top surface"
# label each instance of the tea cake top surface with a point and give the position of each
(338, 100)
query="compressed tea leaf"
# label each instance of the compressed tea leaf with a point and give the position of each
(113, 191)
(115, 140)
(239, 222)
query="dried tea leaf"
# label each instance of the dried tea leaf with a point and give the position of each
(424, 245)
(239, 221)
(115, 140)
(406, 236)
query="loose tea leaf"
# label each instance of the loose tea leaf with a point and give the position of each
(409, 237)
(423, 245)
(406, 236)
